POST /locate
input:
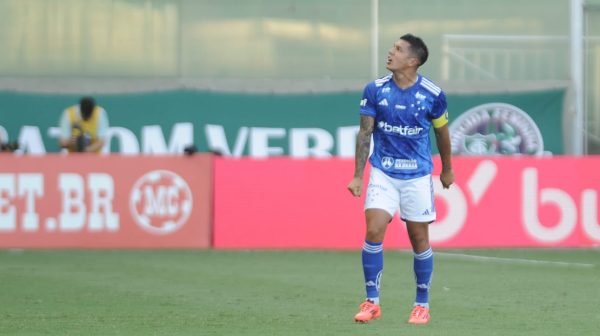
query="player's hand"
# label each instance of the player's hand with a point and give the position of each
(447, 178)
(355, 186)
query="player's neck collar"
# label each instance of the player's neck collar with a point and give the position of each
(411, 82)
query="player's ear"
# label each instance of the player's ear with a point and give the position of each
(414, 61)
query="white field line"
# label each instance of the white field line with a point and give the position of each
(511, 260)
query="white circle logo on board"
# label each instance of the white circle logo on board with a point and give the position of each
(495, 129)
(160, 202)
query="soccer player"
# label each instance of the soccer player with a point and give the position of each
(398, 110)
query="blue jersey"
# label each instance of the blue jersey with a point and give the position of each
(403, 118)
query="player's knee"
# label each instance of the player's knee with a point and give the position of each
(375, 233)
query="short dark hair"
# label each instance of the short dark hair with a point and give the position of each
(86, 106)
(417, 47)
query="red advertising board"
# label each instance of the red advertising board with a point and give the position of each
(87, 201)
(496, 202)
(90, 201)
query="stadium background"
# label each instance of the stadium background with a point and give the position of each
(281, 79)
(147, 241)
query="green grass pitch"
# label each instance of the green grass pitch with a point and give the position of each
(474, 292)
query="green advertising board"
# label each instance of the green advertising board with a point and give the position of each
(262, 125)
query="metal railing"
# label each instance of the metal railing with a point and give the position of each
(504, 57)
(526, 58)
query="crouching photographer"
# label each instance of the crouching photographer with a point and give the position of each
(9, 146)
(83, 127)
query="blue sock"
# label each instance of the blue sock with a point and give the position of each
(423, 267)
(372, 260)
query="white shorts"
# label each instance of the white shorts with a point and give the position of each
(413, 197)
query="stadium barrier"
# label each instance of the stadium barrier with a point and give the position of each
(89, 201)
(57, 201)
(496, 202)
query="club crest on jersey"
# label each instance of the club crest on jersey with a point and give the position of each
(385, 89)
(387, 162)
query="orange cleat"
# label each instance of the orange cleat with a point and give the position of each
(419, 315)
(368, 311)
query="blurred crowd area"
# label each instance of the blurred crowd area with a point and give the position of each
(109, 46)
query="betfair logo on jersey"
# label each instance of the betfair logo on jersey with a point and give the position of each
(401, 130)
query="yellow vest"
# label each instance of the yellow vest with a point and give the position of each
(89, 127)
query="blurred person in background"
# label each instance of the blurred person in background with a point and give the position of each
(83, 127)
(6, 146)
(398, 110)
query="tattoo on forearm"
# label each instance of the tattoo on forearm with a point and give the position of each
(363, 145)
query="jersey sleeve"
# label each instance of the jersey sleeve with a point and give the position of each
(439, 113)
(367, 103)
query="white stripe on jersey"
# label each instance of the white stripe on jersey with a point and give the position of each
(380, 81)
(426, 83)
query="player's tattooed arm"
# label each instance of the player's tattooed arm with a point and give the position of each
(442, 136)
(363, 144)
